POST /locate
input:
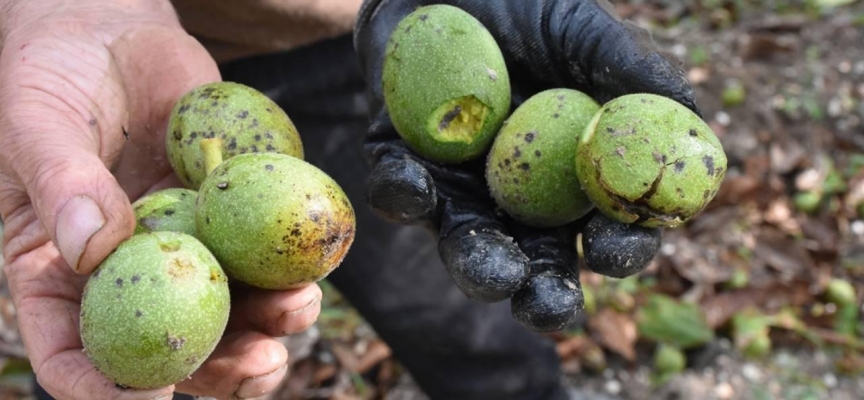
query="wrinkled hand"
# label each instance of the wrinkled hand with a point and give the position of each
(578, 44)
(86, 88)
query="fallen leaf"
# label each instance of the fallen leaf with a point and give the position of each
(376, 352)
(666, 320)
(719, 309)
(616, 332)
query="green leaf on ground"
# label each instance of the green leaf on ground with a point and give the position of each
(666, 320)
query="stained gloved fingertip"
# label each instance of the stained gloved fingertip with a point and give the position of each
(485, 264)
(548, 303)
(616, 249)
(401, 191)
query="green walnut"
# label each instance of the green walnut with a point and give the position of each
(649, 160)
(530, 168)
(445, 84)
(154, 310)
(171, 209)
(238, 118)
(274, 221)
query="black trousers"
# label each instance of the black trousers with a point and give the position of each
(455, 348)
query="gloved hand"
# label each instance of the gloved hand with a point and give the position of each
(86, 88)
(578, 44)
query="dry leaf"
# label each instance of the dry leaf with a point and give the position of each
(616, 332)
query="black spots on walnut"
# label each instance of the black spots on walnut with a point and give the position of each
(232, 144)
(524, 166)
(257, 137)
(269, 167)
(449, 117)
(119, 282)
(270, 147)
(169, 212)
(516, 152)
(138, 313)
(207, 220)
(706, 194)
(135, 279)
(556, 115)
(175, 342)
(184, 108)
(660, 158)
(243, 114)
(529, 137)
(709, 164)
(215, 276)
(680, 192)
(537, 153)
(693, 133)
(222, 185)
(268, 135)
(679, 166)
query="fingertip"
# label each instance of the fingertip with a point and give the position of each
(87, 232)
(616, 249)
(401, 191)
(239, 357)
(484, 263)
(548, 302)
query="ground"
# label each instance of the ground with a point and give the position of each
(757, 285)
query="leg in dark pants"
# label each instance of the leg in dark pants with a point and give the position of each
(454, 347)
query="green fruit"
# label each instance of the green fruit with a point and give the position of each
(154, 310)
(841, 292)
(649, 160)
(171, 209)
(669, 359)
(445, 84)
(274, 221)
(238, 118)
(530, 168)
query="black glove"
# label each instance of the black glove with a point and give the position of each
(578, 44)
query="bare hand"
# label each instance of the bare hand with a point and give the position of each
(86, 89)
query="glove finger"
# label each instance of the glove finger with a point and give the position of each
(486, 263)
(552, 297)
(616, 249)
(401, 190)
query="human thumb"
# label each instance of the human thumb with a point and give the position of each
(59, 131)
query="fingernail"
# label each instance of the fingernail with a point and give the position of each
(312, 303)
(259, 385)
(164, 397)
(78, 220)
